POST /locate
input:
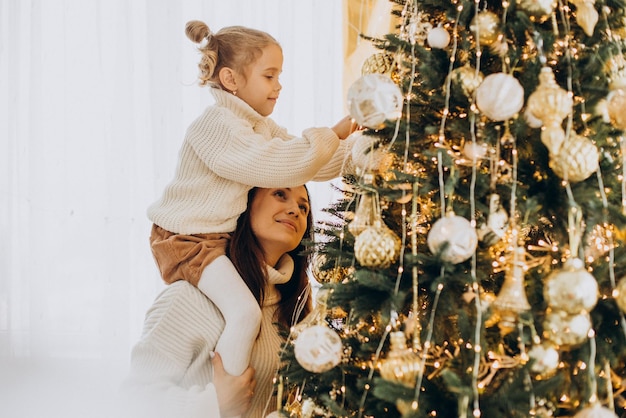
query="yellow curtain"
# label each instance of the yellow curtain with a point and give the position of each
(369, 17)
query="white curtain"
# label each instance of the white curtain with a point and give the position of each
(96, 96)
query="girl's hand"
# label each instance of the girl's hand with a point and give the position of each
(345, 127)
(234, 393)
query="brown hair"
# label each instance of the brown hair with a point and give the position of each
(247, 257)
(234, 47)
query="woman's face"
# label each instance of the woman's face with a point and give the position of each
(278, 218)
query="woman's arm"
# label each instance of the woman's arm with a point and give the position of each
(171, 372)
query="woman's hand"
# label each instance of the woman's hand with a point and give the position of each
(234, 393)
(344, 127)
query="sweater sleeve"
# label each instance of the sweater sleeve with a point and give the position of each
(175, 338)
(340, 161)
(235, 150)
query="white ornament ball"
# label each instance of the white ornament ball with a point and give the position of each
(595, 411)
(438, 38)
(620, 296)
(500, 96)
(453, 238)
(616, 107)
(475, 151)
(571, 289)
(318, 348)
(366, 155)
(374, 99)
(566, 330)
(545, 359)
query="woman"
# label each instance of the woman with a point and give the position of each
(172, 371)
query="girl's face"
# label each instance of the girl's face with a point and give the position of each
(260, 86)
(278, 218)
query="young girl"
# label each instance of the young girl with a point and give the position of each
(232, 147)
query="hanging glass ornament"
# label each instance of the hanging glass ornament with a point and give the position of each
(382, 63)
(595, 411)
(453, 238)
(538, 10)
(577, 159)
(438, 37)
(374, 99)
(331, 274)
(565, 330)
(511, 300)
(467, 79)
(401, 365)
(475, 151)
(368, 209)
(616, 108)
(531, 120)
(377, 246)
(500, 96)
(550, 104)
(497, 222)
(572, 289)
(486, 26)
(620, 294)
(586, 15)
(544, 359)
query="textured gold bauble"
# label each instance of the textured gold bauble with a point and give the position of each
(401, 365)
(331, 274)
(382, 63)
(467, 79)
(377, 246)
(577, 159)
(487, 25)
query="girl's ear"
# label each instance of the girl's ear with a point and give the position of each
(228, 79)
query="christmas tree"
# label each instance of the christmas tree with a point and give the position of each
(476, 264)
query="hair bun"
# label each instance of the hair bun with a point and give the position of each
(197, 30)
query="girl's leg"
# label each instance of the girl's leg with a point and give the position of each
(221, 283)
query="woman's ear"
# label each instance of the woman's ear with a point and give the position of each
(228, 79)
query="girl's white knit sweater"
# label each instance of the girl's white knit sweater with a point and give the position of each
(228, 150)
(171, 374)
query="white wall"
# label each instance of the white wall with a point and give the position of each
(96, 95)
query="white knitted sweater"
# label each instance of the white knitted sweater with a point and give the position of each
(228, 150)
(171, 373)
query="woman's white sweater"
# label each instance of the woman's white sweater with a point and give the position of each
(171, 374)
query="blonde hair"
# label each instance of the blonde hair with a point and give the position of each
(234, 47)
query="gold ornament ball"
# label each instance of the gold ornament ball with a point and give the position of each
(401, 365)
(334, 274)
(577, 159)
(377, 246)
(487, 25)
(382, 63)
(467, 79)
